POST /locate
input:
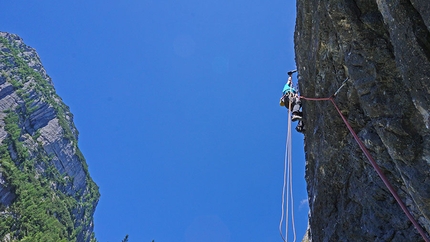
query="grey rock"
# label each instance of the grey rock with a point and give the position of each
(383, 46)
(46, 130)
(6, 194)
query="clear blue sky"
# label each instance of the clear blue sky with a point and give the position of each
(177, 107)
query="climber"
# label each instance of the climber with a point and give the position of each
(290, 95)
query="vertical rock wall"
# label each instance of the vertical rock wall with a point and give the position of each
(383, 46)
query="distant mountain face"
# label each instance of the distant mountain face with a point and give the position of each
(383, 46)
(46, 192)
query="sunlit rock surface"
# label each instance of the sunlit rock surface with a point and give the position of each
(49, 137)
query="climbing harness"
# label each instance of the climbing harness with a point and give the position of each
(286, 98)
(372, 161)
(287, 189)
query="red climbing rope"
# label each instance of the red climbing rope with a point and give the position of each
(374, 164)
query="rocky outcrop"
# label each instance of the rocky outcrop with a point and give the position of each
(383, 46)
(46, 192)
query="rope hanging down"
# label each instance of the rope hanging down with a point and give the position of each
(372, 161)
(287, 189)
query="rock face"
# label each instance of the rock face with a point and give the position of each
(46, 192)
(383, 46)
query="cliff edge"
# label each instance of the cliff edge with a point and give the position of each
(383, 46)
(46, 192)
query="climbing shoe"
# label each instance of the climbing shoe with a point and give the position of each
(295, 117)
(300, 129)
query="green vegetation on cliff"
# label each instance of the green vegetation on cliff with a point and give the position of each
(44, 209)
(39, 213)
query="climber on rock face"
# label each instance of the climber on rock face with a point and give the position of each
(290, 96)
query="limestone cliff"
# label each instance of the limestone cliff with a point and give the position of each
(46, 192)
(383, 46)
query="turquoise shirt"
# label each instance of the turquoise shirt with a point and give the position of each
(287, 89)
